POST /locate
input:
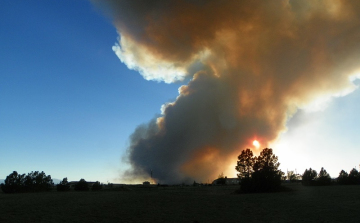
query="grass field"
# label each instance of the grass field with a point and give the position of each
(185, 204)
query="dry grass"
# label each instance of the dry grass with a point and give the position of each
(185, 204)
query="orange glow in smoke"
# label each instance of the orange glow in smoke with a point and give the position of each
(256, 144)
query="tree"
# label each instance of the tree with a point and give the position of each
(265, 177)
(245, 164)
(96, 186)
(63, 185)
(266, 161)
(323, 178)
(343, 177)
(309, 176)
(354, 177)
(37, 181)
(33, 182)
(82, 185)
(14, 183)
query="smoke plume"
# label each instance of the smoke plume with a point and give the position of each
(251, 65)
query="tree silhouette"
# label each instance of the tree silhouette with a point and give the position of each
(33, 182)
(323, 178)
(14, 183)
(354, 177)
(266, 176)
(266, 161)
(37, 181)
(343, 177)
(245, 164)
(309, 176)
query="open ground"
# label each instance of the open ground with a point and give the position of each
(185, 204)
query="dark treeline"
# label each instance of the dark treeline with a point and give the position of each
(261, 174)
(312, 178)
(39, 182)
(256, 174)
(32, 182)
(349, 179)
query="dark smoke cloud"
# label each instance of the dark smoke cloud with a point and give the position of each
(252, 64)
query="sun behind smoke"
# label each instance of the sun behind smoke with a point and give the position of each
(256, 144)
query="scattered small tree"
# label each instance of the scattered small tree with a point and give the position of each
(354, 177)
(343, 178)
(82, 185)
(63, 185)
(323, 178)
(96, 186)
(309, 176)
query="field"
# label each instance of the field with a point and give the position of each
(185, 204)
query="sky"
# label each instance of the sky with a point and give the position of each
(67, 104)
(71, 108)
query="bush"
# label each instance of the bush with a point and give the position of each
(82, 185)
(96, 186)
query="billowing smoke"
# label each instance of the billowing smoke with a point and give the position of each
(251, 65)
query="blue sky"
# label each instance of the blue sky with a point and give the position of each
(68, 105)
